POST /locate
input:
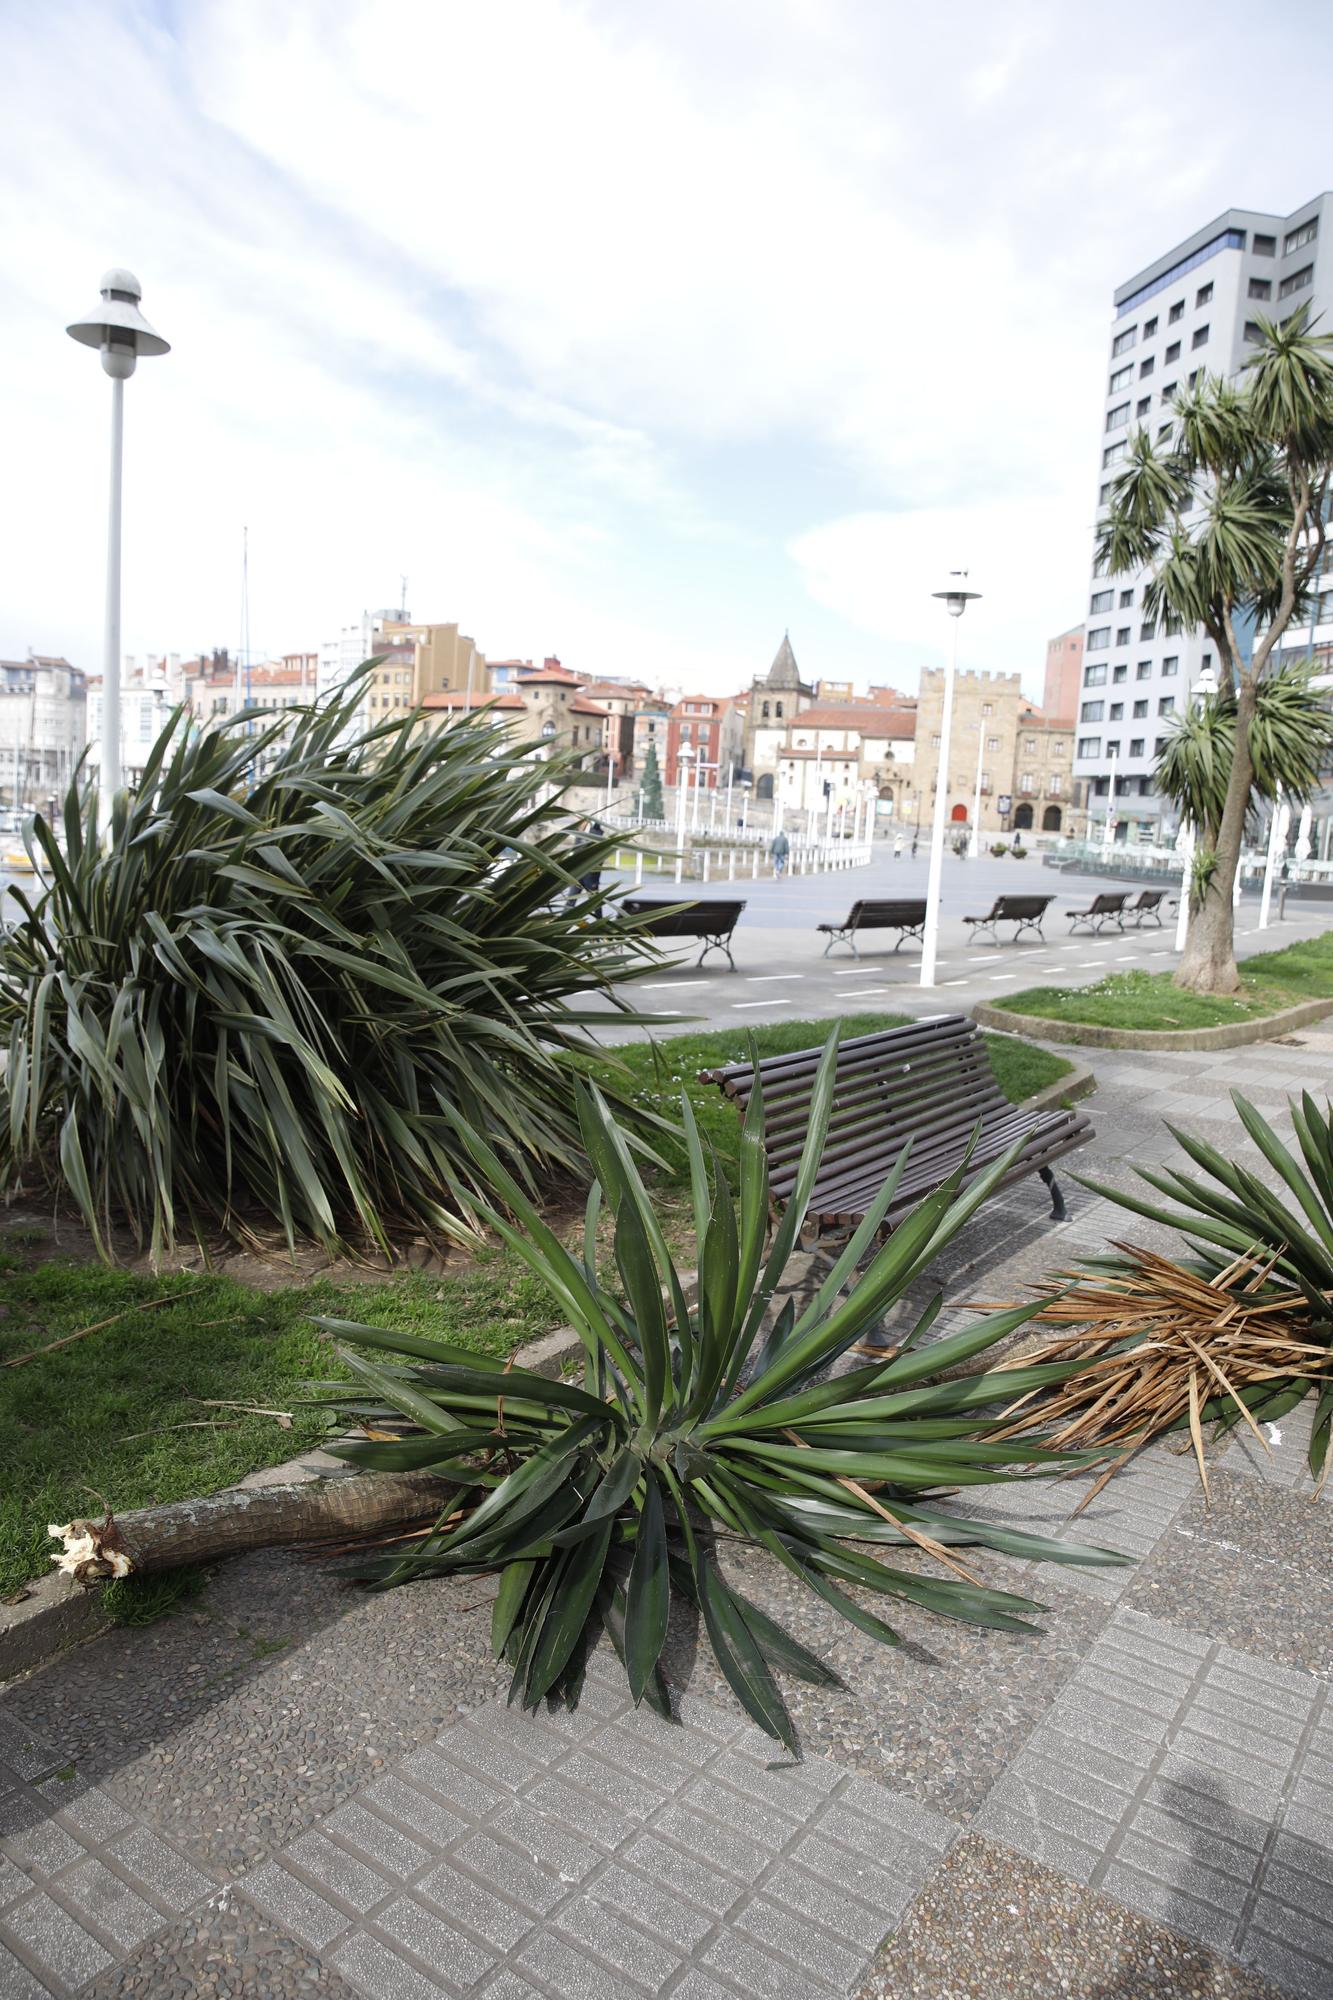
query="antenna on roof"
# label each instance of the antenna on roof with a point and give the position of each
(402, 600)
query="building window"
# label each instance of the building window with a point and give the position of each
(1126, 599)
(1163, 433)
(1264, 246)
(1122, 635)
(1206, 662)
(1101, 601)
(1253, 331)
(1113, 746)
(1055, 784)
(1168, 392)
(1113, 454)
(1120, 673)
(765, 712)
(1089, 746)
(1261, 288)
(1202, 296)
(988, 707)
(1150, 327)
(1094, 677)
(1143, 671)
(1118, 416)
(1119, 379)
(992, 742)
(1167, 705)
(778, 708)
(1170, 665)
(934, 742)
(1031, 746)
(1171, 624)
(1194, 377)
(1102, 498)
(1177, 312)
(1117, 712)
(1136, 746)
(1140, 710)
(1143, 406)
(1297, 282)
(1297, 238)
(1124, 341)
(1146, 366)
(1025, 782)
(1099, 638)
(1173, 352)
(1200, 338)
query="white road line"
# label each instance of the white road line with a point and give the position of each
(767, 978)
(670, 985)
(857, 992)
(1084, 963)
(953, 982)
(997, 977)
(739, 1005)
(988, 959)
(847, 972)
(1161, 954)
(1123, 957)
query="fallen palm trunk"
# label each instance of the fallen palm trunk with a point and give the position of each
(242, 1518)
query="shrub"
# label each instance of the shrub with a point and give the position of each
(999, 847)
(303, 964)
(1019, 853)
(596, 1501)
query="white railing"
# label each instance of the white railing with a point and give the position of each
(732, 863)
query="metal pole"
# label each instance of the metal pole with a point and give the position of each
(1108, 832)
(931, 938)
(610, 775)
(974, 844)
(1186, 846)
(1277, 839)
(110, 778)
(682, 780)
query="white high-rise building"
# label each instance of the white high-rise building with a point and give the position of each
(1191, 309)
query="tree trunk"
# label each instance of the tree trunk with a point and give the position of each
(1208, 964)
(243, 1517)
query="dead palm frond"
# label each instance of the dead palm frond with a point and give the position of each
(1168, 1348)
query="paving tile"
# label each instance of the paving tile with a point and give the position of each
(685, 1873)
(51, 1937)
(616, 1788)
(823, 1956)
(569, 1806)
(293, 1905)
(710, 1841)
(166, 1875)
(568, 1972)
(826, 1902)
(1174, 1906)
(595, 1925)
(460, 1788)
(653, 1905)
(109, 1905)
(758, 1973)
(510, 1872)
(30, 1836)
(755, 1820)
(87, 1808)
(863, 1875)
(13, 1882)
(383, 1974)
(417, 1810)
(386, 1845)
(547, 1838)
(428, 1937)
(477, 1908)
(17, 1983)
(491, 1758)
(25, 1751)
(337, 1871)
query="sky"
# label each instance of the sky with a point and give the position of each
(636, 334)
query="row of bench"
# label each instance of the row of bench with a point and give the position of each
(713, 919)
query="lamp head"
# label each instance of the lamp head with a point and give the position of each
(955, 593)
(117, 327)
(685, 753)
(1206, 685)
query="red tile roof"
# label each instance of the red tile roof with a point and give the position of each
(460, 698)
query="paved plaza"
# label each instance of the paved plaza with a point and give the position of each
(292, 1788)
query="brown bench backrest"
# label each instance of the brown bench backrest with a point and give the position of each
(1147, 899)
(709, 917)
(1018, 906)
(1104, 904)
(932, 1080)
(885, 913)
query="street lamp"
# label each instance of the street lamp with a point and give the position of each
(1205, 687)
(684, 758)
(974, 844)
(1108, 831)
(119, 330)
(956, 600)
(747, 786)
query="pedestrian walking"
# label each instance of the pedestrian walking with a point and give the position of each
(590, 881)
(780, 848)
(898, 847)
(914, 842)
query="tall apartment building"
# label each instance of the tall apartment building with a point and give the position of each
(1194, 308)
(43, 729)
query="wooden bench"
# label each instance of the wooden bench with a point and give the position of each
(1108, 908)
(1025, 913)
(931, 1083)
(710, 918)
(1148, 903)
(907, 918)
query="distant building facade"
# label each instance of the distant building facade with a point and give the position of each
(43, 729)
(1064, 674)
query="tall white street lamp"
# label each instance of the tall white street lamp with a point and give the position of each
(747, 786)
(119, 330)
(956, 600)
(1108, 831)
(684, 758)
(974, 844)
(1205, 687)
(610, 773)
(1278, 828)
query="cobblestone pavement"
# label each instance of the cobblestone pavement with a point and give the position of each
(299, 1790)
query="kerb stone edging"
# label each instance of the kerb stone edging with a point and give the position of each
(1230, 1035)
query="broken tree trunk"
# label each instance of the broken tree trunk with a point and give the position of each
(243, 1517)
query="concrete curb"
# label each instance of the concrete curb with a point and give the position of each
(1231, 1035)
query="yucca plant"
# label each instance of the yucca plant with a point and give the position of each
(703, 1418)
(1233, 1214)
(306, 962)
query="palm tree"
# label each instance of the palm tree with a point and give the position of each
(1228, 518)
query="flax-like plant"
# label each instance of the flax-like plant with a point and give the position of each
(304, 965)
(700, 1419)
(1291, 735)
(1231, 1213)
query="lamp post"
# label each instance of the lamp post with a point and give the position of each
(1205, 687)
(747, 786)
(119, 330)
(1108, 831)
(1277, 844)
(610, 773)
(956, 600)
(684, 758)
(974, 844)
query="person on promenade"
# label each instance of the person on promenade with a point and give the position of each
(780, 849)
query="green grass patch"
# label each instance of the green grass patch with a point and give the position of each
(1270, 981)
(107, 1414)
(661, 1068)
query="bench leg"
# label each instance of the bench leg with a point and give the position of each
(1058, 1209)
(716, 944)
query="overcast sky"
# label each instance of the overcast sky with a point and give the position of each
(633, 333)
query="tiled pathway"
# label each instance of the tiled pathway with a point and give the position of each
(294, 1791)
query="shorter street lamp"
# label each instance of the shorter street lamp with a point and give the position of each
(747, 786)
(956, 598)
(684, 758)
(1205, 687)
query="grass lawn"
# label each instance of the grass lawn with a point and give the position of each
(1271, 981)
(123, 1413)
(100, 1417)
(662, 1067)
